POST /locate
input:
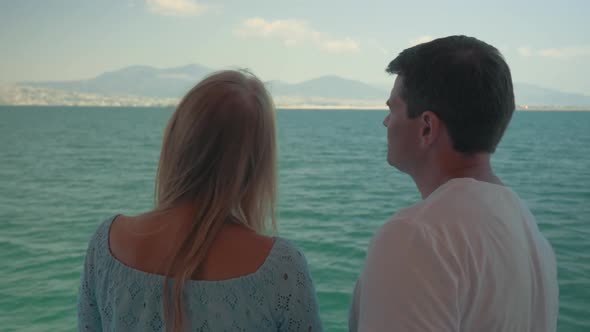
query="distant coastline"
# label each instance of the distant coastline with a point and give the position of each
(163, 87)
(383, 108)
(302, 107)
(553, 109)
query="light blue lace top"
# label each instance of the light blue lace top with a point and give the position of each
(279, 296)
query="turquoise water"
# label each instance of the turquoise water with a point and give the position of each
(64, 170)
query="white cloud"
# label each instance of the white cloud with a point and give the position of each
(524, 51)
(340, 46)
(176, 7)
(293, 33)
(564, 52)
(421, 40)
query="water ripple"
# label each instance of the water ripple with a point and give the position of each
(63, 171)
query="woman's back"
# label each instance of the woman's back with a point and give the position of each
(148, 243)
(276, 295)
(198, 260)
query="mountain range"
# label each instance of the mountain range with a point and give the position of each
(172, 83)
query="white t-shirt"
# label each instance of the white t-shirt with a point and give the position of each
(467, 258)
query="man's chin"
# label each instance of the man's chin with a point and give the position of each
(394, 164)
(390, 161)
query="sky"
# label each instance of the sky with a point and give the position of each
(546, 43)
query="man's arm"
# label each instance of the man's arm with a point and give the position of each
(410, 282)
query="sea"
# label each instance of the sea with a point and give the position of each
(63, 170)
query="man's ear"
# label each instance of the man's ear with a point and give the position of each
(430, 128)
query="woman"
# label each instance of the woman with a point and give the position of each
(199, 261)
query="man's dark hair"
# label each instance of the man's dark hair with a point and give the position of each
(466, 82)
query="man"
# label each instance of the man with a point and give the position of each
(469, 256)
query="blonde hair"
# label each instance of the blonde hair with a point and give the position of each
(219, 153)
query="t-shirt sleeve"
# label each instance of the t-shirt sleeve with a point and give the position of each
(409, 283)
(297, 298)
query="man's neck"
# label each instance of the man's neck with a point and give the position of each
(438, 172)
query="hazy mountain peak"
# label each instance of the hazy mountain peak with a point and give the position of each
(151, 82)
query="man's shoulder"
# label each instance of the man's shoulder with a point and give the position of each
(461, 201)
(432, 210)
(461, 211)
(399, 227)
(437, 215)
